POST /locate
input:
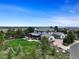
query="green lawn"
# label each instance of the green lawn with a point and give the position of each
(26, 45)
(30, 48)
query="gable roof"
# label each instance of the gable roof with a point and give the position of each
(44, 29)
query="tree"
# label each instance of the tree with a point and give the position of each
(63, 30)
(33, 54)
(1, 32)
(44, 46)
(77, 32)
(30, 29)
(10, 54)
(1, 38)
(19, 33)
(51, 27)
(56, 28)
(18, 50)
(26, 32)
(70, 38)
(53, 52)
(10, 34)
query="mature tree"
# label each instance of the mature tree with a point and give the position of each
(53, 52)
(1, 32)
(19, 33)
(51, 27)
(30, 29)
(18, 50)
(70, 38)
(56, 28)
(10, 34)
(77, 32)
(1, 38)
(9, 54)
(14, 34)
(33, 54)
(26, 32)
(44, 46)
(63, 30)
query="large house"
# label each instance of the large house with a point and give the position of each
(44, 30)
(47, 31)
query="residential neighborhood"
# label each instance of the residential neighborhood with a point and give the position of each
(39, 29)
(53, 40)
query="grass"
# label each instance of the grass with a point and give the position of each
(26, 45)
(2, 55)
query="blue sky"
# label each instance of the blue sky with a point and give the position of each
(39, 13)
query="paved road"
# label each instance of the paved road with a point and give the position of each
(74, 51)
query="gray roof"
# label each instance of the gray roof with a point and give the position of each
(58, 33)
(44, 29)
(47, 35)
(35, 34)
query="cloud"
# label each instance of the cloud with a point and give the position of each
(75, 8)
(61, 21)
(43, 19)
(70, 7)
(13, 7)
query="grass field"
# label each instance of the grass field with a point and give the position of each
(26, 45)
(29, 49)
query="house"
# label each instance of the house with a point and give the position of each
(47, 31)
(34, 35)
(58, 35)
(44, 30)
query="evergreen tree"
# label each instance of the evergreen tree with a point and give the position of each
(56, 28)
(30, 29)
(53, 52)
(44, 46)
(1, 38)
(77, 32)
(19, 33)
(70, 38)
(10, 54)
(10, 34)
(18, 50)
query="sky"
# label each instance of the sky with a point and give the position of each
(39, 13)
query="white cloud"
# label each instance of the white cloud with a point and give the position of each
(13, 7)
(62, 21)
(53, 21)
(75, 9)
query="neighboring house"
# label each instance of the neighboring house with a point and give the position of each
(34, 35)
(46, 30)
(59, 35)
